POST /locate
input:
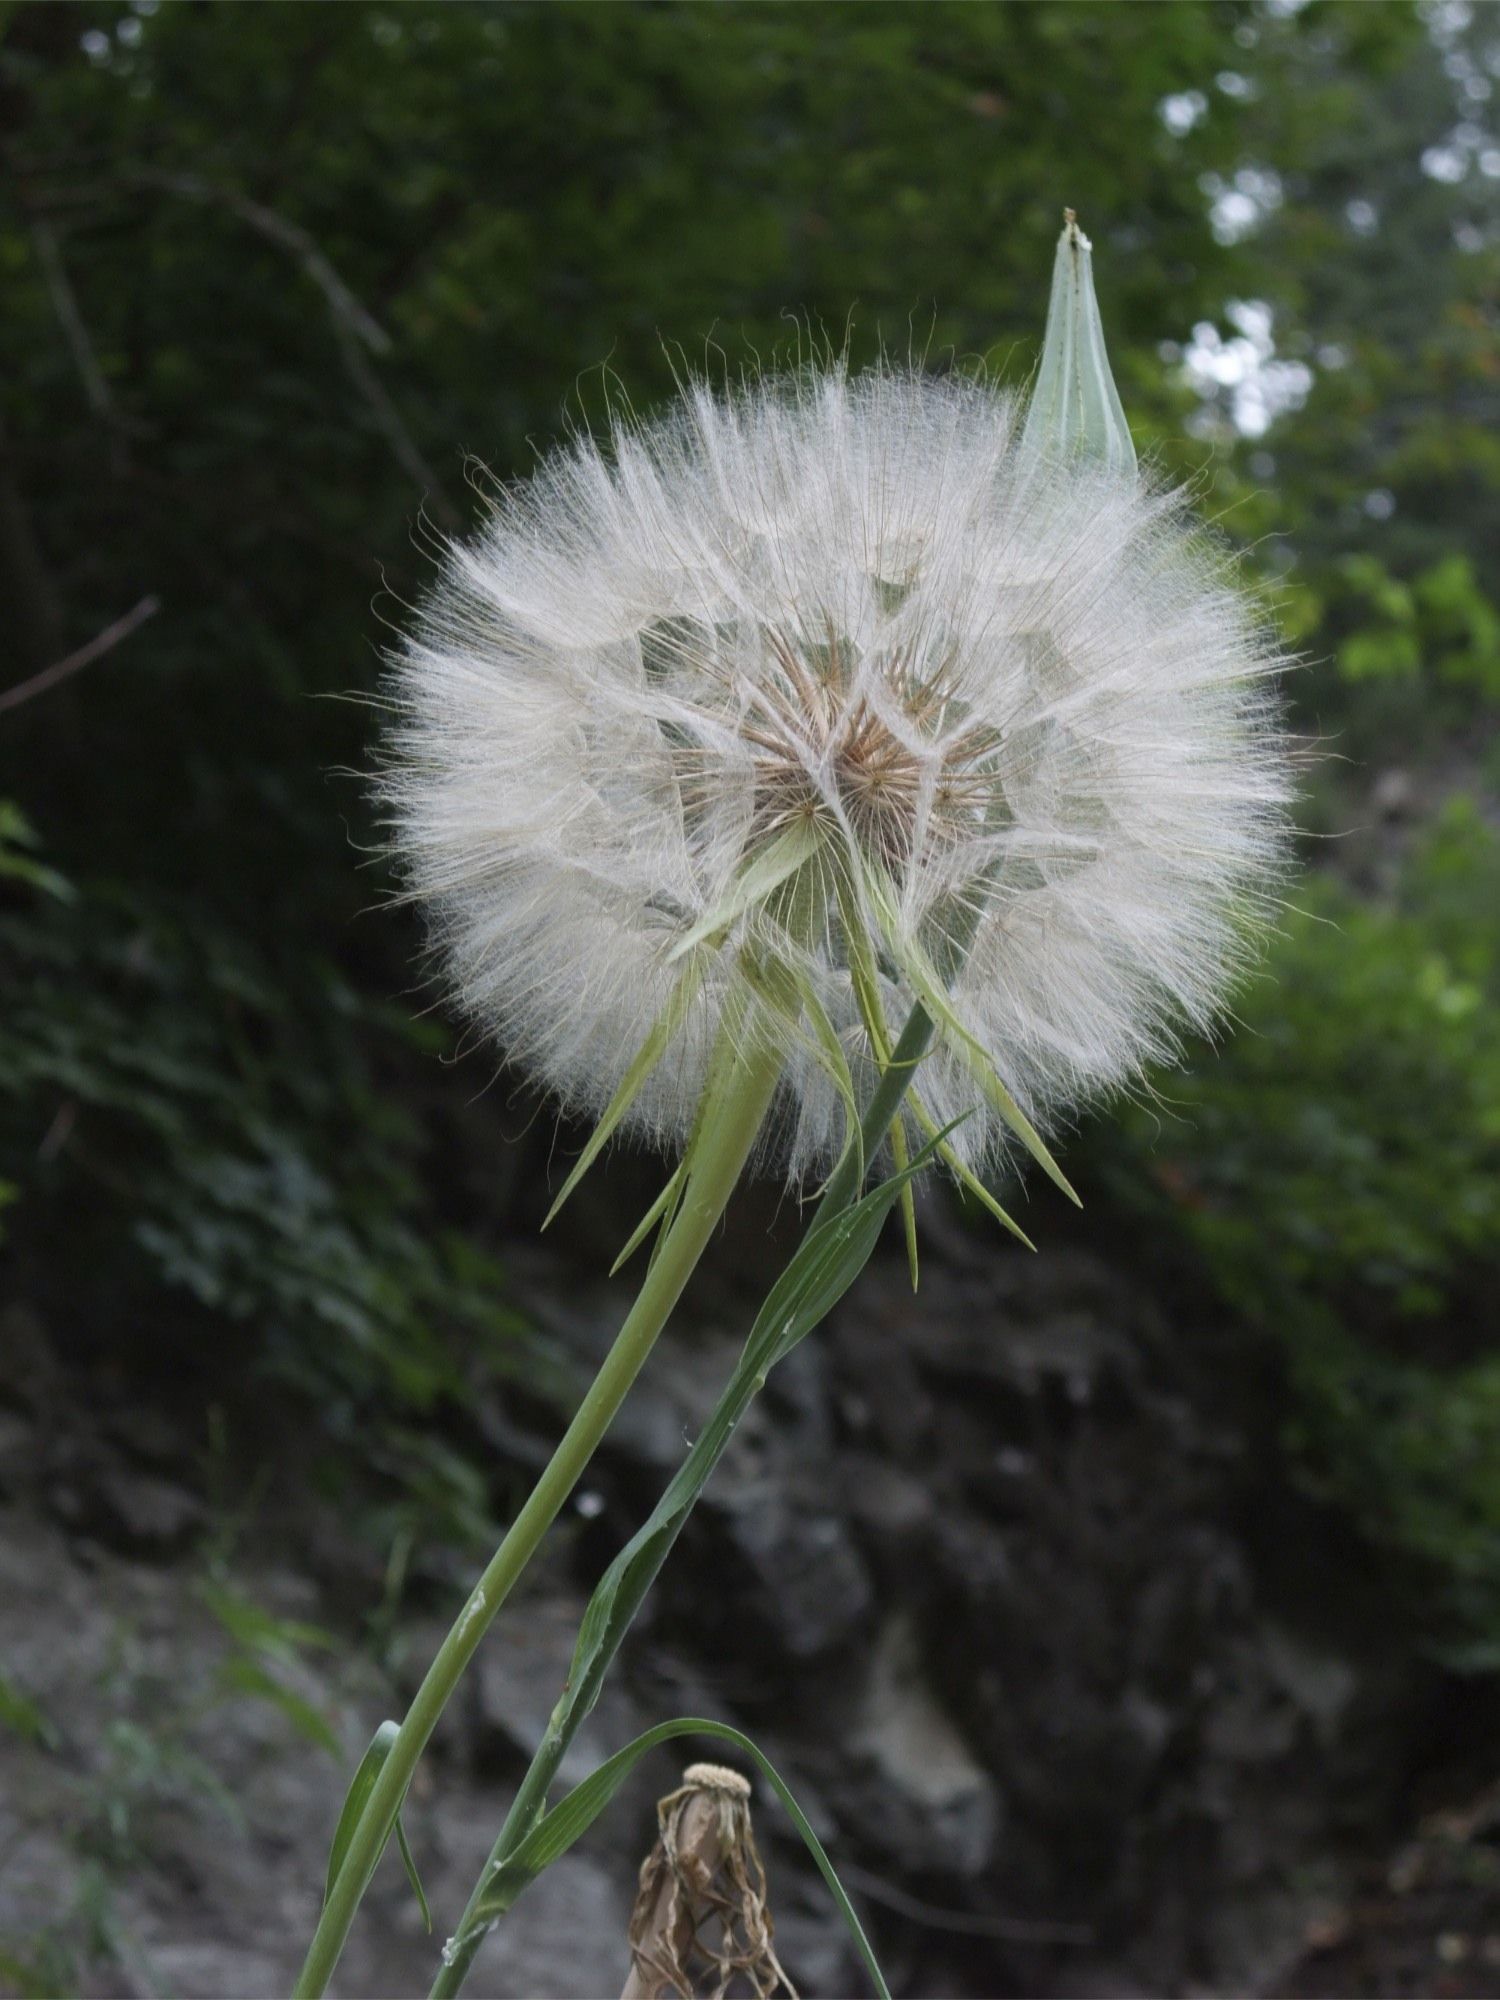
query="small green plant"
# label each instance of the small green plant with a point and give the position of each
(152, 1755)
(23, 1716)
(263, 1647)
(159, 1092)
(57, 1956)
(19, 861)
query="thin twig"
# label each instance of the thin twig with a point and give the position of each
(33, 612)
(104, 642)
(289, 236)
(403, 446)
(70, 319)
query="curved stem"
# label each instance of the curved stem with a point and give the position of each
(728, 1135)
(531, 1798)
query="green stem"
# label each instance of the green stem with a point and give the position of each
(880, 1113)
(723, 1150)
(530, 1800)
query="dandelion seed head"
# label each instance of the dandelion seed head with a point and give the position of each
(1013, 708)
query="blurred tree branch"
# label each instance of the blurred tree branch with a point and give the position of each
(24, 577)
(80, 344)
(103, 642)
(354, 327)
(288, 236)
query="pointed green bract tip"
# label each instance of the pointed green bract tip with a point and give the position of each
(1075, 407)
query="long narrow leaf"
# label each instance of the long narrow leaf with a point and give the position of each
(827, 1262)
(866, 983)
(666, 1201)
(721, 1077)
(789, 994)
(360, 1787)
(412, 1876)
(900, 1154)
(646, 1058)
(556, 1832)
(966, 1178)
(355, 1801)
(785, 855)
(930, 989)
(837, 1064)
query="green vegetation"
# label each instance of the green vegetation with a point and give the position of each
(1335, 1168)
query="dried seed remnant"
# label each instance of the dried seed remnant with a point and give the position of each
(701, 1924)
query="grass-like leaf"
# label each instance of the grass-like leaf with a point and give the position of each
(865, 979)
(412, 1876)
(360, 1788)
(661, 1210)
(647, 1056)
(933, 994)
(754, 883)
(790, 993)
(964, 1175)
(829, 1259)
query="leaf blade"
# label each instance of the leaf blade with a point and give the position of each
(412, 1876)
(355, 1800)
(826, 1263)
(930, 989)
(646, 1057)
(760, 878)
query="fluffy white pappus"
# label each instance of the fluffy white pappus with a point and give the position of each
(1016, 712)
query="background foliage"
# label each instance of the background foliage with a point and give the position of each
(270, 273)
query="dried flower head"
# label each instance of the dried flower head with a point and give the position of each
(808, 701)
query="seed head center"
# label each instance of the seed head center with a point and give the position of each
(819, 745)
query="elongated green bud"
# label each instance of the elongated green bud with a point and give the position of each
(1075, 406)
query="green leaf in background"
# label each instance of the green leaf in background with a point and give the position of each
(20, 1714)
(18, 862)
(244, 1675)
(554, 1834)
(259, 1630)
(1332, 1175)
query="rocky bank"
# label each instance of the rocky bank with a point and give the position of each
(1009, 1583)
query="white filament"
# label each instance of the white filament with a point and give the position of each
(1069, 771)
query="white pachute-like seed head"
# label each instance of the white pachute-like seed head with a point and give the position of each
(835, 690)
